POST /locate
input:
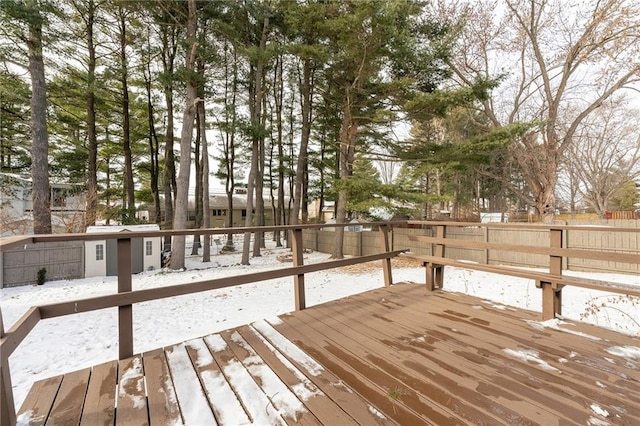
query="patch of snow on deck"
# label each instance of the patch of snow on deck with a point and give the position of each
(25, 419)
(274, 320)
(373, 410)
(305, 390)
(532, 356)
(555, 324)
(133, 374)
(594, 421)
(194, 405)
(285, 401)
(627, 352)
(599, 410)
(224, 401)
(216, 343)
(287, 347)
(256, 402)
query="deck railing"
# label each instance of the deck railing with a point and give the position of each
(125, 298)
(445, 251)
(438, 246)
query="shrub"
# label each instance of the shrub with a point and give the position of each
(42, 275)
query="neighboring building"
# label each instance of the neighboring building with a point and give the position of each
(327, 213)
(218, 210)
(101, 256)
(16, 206)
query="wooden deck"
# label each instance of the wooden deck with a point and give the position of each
(388, 356)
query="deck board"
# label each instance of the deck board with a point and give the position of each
(131, 397)
(37, 405)
(161, 394)
(67, 408)
(388, 356)
(99, 406)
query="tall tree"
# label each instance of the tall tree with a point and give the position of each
(41, 191)
(169, 33)
(305, 26)
(186, 137)
(228, 126)
(87, 12)
(129, 207)
(383, 53)
(25, 23)
(605, 154)
(257, 66)
(206, 219)
(565, 55)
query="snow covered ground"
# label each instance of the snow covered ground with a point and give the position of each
(70, 343)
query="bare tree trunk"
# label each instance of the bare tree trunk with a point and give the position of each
(126, 124)
(91, 209)
(41, 191)
(348, 133)
(198, 193)
(304, 141)
(169, 48)
(186, 137)
(206, 210)
(154, 145)
(229, 142)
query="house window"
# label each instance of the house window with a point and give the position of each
(244, 213)
(218, 212)
(100, 252)
(148, 248)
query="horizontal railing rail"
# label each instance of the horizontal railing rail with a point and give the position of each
(126, 297)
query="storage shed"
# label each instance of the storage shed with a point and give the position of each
(101, 255)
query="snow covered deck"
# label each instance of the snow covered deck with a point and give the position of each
(394, 355)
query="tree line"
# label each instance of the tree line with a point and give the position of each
(511, 106)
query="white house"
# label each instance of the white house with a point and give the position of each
(101, 256)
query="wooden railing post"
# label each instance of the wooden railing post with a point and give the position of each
(125, 313)
(7, 404)
(298, 260)
(437, 271)
(384, 246)
(552, 292)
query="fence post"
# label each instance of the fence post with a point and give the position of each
(441, 232)
(485, 235)
(298, 260)
(386, 263)
(7, 404)
(125, 313)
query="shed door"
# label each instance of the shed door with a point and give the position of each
(137, 256)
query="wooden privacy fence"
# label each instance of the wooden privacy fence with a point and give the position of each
(125, 298)
(598, 236)
(551, 282)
